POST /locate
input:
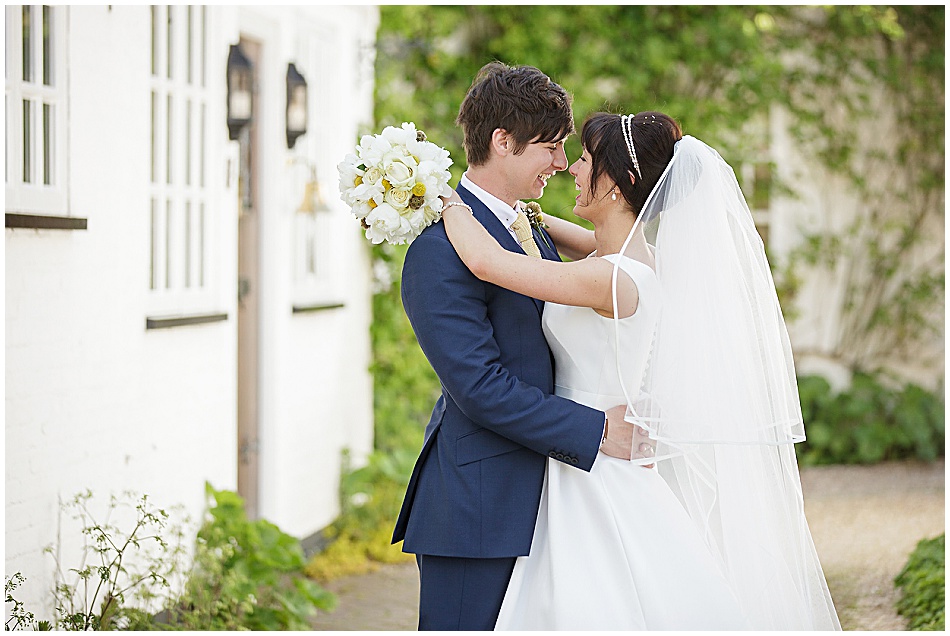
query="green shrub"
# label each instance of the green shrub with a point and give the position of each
(923, 585)
(244, 575)
(869, 422)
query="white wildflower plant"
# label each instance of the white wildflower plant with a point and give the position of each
(393, 183)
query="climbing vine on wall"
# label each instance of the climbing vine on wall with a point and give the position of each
(863, 87)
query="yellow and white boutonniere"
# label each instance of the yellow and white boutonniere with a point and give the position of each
(532, 210)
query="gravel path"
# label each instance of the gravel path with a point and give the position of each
(865, 520)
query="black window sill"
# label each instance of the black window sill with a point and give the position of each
(44, 222)
(300, 309)
(183, 321)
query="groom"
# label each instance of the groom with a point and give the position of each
(473, 498)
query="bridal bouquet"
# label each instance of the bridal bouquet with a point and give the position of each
(393, 183)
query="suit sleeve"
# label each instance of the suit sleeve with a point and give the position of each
(448, 310)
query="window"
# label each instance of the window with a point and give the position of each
(180, 215)
(35, 174)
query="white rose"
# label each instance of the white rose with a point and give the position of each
(372, 175)
(398, 197)
(400, 174)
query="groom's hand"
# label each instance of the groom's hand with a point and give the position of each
(619, 441)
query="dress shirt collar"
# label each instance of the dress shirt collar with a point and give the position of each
(505, 213)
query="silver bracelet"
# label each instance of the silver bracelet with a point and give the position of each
(449, 204)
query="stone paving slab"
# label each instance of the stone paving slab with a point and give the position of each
(865, 521)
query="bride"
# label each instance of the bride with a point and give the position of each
(672, 311)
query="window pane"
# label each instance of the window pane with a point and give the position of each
(170, 46)
(27, 44)
(155, 22)
(168, 244)
(191, 38)
(27, 142)
(47, 144)
(168, 139)
(188, 142)
(154, 153)
(204, 37)
(201, 245)
(187, 244)
(153, 249)
(201, 145)
(47, 46)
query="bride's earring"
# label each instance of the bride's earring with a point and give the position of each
(613, 195)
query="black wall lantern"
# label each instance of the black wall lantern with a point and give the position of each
(296, 105)
(240, 93)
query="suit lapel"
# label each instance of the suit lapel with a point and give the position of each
(496, 228)
(543, 240)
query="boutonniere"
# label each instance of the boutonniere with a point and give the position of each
(532, 210)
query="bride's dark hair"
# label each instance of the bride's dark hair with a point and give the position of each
(654, 135)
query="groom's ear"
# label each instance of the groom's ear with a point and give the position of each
(500, 141)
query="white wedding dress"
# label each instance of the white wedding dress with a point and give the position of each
(613, 548)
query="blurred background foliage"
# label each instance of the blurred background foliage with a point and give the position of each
(720, 71)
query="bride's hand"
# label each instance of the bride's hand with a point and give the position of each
(646, 449)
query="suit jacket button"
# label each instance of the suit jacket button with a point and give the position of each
(574, 460)
(552, 454)
(560, 456)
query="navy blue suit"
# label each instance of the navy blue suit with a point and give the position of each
(476, 487)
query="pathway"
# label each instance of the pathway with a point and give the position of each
(865, 521)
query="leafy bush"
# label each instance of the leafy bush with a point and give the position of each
(923, 585)
(370, 499)
(869, 422)
(245, 574)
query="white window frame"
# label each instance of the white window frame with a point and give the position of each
(316, 249)
(182, 215)
(36, 197)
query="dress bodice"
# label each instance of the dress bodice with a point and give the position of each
(584, 343)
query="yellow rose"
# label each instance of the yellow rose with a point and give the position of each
(419, 189)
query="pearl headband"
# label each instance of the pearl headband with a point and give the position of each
(626, 121)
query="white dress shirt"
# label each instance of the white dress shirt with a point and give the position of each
(505, 213)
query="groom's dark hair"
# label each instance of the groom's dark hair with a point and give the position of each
(519, 99)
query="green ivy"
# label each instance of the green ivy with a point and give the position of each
(923, 586)
(721, 70)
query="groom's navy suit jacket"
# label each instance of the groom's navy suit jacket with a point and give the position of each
(476, 487)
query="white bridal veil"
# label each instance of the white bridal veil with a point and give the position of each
(719, 399)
